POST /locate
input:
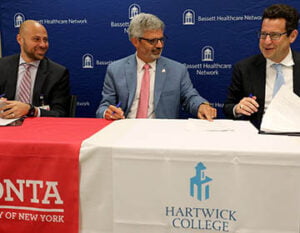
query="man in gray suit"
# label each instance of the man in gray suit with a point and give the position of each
(48, 89)
(169, 87)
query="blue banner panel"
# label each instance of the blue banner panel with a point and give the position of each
(209, 36)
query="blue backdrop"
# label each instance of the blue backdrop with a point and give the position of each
(209, 36)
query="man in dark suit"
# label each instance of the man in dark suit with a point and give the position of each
(253, 82)
(169, 86)
(48, 88)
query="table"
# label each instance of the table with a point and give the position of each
(172, 176)
(162, 176)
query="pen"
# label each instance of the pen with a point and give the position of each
(118, 105)
(2, 95)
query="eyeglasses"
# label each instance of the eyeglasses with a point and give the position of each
(155, 40)
(273, 35)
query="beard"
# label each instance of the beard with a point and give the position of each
(34, 53)
(156, 53)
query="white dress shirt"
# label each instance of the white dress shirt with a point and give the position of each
(287, 70)
(140, 72)
(33, 71)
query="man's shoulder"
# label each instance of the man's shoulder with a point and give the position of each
(170, 62)
(296, 56)
(252, 60)
(52, 64)
(10, 58)
(123, 61)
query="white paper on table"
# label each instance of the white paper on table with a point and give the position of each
(4, 122)
(219, 125)
(283, 113)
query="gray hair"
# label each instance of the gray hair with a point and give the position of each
(144, 22)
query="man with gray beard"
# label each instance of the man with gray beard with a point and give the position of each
(147, 85)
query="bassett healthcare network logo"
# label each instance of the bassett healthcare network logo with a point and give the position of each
(133, 10)
(188, 17)
(87, 61)
(19, 18)
(208, 53)
(199, 184)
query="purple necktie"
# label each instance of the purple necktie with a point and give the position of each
(25, 85)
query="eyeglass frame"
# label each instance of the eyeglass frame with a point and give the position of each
(271, 34)
(154, 41)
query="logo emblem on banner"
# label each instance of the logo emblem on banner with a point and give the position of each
(208, 53)
(199, 184)
(134, 9)
(19, 18)
(188, 17)
(87, 61)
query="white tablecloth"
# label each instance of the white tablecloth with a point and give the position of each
(139, 176)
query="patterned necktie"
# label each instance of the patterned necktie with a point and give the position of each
(142, 111)
(279, 78)
(25, 85)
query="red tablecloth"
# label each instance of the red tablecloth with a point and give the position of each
(39, 174)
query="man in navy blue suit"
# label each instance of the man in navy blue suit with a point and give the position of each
(170, 84)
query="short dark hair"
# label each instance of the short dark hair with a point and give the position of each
(284, 11)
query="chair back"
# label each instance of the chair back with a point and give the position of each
(72, 106)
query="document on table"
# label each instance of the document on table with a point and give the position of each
(5, 122)
(218, 125)
(283, 114)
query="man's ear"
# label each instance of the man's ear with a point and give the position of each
(134, 41)
(293, 36)
(19, 39)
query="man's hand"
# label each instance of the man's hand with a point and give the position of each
(205, 111)
(13, 109)
(247, 106)
(113, 113)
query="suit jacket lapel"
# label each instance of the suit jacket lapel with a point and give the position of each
(41, 75)
(259, 83)
(258, 86)
(296, 73)
(13, 69)
(131, 79)
(160, 79)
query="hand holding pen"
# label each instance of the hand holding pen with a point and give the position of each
(247, 106)
(114, 112)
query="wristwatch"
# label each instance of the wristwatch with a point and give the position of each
(31, 111)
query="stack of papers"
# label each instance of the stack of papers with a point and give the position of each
(283, 114)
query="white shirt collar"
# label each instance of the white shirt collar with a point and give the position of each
(141, 63)
(287, 61)
(34, 63)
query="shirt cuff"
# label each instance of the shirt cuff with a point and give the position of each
(234, 114)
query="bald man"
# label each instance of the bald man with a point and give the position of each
(33, 84)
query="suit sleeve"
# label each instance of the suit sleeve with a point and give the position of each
(58, 96)
(235, 92)
(190, 98)
(108, 93)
